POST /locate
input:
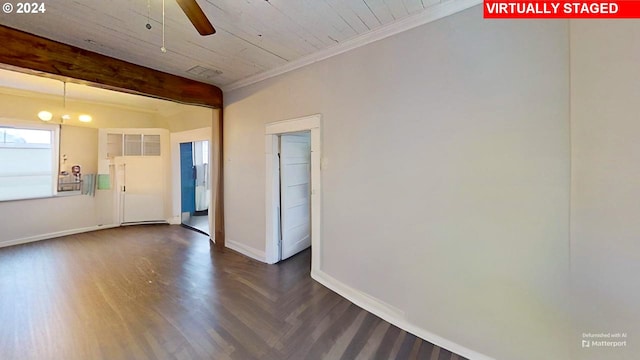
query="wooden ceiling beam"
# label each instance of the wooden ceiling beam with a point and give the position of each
(33, 54)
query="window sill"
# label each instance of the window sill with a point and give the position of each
(68, 193)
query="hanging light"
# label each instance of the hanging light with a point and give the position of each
(65, 117)
(45, 115)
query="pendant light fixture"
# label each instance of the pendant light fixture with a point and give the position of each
(45, 115)
(65, 116)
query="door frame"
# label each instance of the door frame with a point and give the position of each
(200, 134)
(272, 184)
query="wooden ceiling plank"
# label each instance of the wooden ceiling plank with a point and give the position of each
(413, 6)
(381, 11)
(362, 10)
(263, 12)
(330, 16)
(397, 8)
(183, 55)
(223, 55)
(308, 16)
(242, 17)
(34, 53)
(348, 15)
(428, 3)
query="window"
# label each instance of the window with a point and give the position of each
(114, 145)
(151, 145)
(27, 162)
(132, 145)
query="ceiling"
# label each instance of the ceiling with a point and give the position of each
(253, 36)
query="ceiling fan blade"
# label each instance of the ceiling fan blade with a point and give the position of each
(197, 16)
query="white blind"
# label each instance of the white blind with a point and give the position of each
(132, 144)
(27, 169)
(151, 145)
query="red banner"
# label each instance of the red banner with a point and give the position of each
(502, 9)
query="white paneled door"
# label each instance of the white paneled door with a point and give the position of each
(295, 182)
(141, 188)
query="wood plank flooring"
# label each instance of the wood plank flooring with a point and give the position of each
(161, 292)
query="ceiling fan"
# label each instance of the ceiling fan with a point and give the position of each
(197, 17)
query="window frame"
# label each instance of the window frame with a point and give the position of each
(55, 151)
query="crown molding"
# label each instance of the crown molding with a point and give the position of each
(430, 14)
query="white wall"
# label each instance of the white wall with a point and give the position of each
(80, 145)
(446, 186)
(188, 118)
(605, 208)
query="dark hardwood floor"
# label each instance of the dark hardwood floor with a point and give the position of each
(161, 292)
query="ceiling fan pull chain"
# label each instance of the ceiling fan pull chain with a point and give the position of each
(148, 26)
(163, 49)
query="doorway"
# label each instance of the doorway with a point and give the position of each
(195, 190)
(292, 204)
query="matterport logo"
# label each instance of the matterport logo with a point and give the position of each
(606, 340)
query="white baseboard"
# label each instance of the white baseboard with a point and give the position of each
(246, 250)
(55, 235)
(392, 315)
(176, 220)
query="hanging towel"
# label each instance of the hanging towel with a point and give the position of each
(89, 184)
(104, 182)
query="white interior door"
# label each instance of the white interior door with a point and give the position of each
(295, 181)
(141, 187)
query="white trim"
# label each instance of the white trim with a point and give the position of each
(430, 14)
(294, 125)
(392, 315)
(272, 130)
(55, 235)
(272, 192)
(245, 250)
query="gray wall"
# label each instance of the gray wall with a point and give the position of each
(605, 206)
(446, 186)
